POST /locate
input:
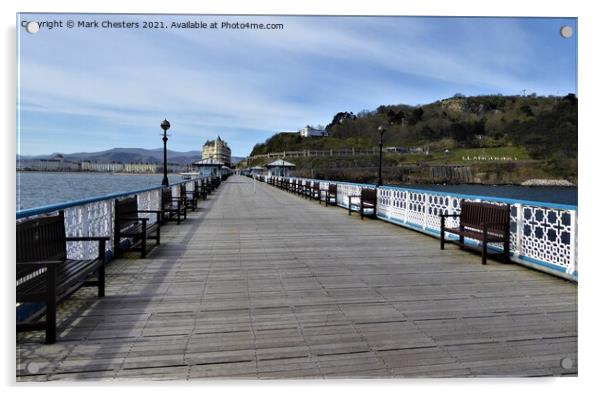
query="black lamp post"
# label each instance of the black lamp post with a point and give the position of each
(165, 125)
(382, 131)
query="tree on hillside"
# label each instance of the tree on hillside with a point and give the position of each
(339, 118)
(395, 117)
(571, 98)
(416, 116)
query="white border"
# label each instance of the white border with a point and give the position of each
(589, 147)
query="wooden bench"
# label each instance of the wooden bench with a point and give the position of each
(485, 222)
(129, 225)
(365, 201)
(215, 182)
(298, 187)
(206, 187)
(45, 274)
(200, 189)
(189, 198)
(308, 188)
(330, 195)
(315, 191)
(171, 207)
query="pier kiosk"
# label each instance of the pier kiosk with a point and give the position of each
(255, 171)
(279, 168)
(209, 167)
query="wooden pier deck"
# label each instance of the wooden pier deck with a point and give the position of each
(263, 284)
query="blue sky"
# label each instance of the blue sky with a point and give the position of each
(95, 89)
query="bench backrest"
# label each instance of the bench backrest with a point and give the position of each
(125, 208)
(40, 239)
(332, 189)
(183, 191)
(473, 214)
(369, 195)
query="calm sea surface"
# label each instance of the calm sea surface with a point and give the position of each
(561, 195)
(35, 189)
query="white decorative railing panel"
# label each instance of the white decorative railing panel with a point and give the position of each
(95, 217)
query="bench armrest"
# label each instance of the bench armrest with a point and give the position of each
(150, 211)
(88, 238)
(444, 216)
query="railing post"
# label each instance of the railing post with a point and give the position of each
(519, 230)
(405, 216)
(573, 246)
(450, 210)
(426, 210)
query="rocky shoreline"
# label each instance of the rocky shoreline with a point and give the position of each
(540, 182)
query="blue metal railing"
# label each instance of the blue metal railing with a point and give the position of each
(61, 206)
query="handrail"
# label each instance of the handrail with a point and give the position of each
(486, 197)
(60, 206)
(560, 206)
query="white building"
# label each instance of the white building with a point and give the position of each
(54, 164)
(309, 131)
(217, 149)
(140, 168)
(102, 167)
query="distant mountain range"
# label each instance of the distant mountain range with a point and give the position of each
(128, 155)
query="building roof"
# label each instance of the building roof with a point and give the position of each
(209, 162)
(216, 141)
(280, 163)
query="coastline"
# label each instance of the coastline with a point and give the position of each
(97, 172)
(542, 182)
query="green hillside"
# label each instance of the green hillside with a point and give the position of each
(522, 127)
